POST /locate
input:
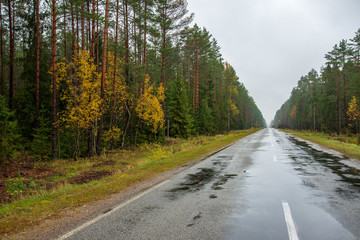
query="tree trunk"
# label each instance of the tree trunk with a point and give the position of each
(11, 65)
(337, 102)
(77, 26)
(222, 105)
(197, 78)
(53, 63)
(37, 65)
(97, 36)
(144, 53)
(344, 100)
(115, 62)
(92, 53)
(65, 34)
(314, 112)
(72, 28)
(1, 51)
(229, 120)
(135, 36)
(188, 69)
(145, 33)
(126, 30)
(163, 49)
(104, 58)
(82, 25)
(93, 31)
(88, 26)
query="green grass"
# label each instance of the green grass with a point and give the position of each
(129, 166)
(348, 145)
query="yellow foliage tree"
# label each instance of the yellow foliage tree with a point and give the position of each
(116, 95)
(79, 86)
(353, 112)
(149, 107)
(293, 112)
(115, 87)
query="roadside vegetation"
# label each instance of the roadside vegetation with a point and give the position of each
(324, 108)
(32, 191)
(347, 144)
(327, 101)
(127, 73)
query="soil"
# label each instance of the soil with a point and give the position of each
(86, 177)
(105, 163)
(25, 170)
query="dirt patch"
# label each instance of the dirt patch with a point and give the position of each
(170, 142)
(4, 196)
(104, 164)
(24, 170)
(86, 177)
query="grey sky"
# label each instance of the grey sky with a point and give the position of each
(272, 43)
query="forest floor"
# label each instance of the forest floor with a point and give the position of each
(349, 145)
(33, 192)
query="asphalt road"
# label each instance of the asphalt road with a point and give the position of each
(266, 186)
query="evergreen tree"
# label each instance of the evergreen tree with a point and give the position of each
(8, 128)
(181, 121)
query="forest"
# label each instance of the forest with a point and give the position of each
(79, 78)
(329, 101)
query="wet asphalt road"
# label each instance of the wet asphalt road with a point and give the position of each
(269, 185)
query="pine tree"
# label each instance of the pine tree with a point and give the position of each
(333, 59)
(181, 121)
(37, 91)
(171, 18)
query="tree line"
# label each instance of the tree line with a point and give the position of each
(82, 77)
(327, 101)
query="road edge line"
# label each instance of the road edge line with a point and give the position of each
(86, 224)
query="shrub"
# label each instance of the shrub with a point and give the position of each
(8, 132)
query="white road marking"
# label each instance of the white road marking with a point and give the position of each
(275, 159)
(69, 234)
(289, 222)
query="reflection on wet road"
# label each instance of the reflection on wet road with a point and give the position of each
(269, 185)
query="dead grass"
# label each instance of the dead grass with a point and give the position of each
(74, 184)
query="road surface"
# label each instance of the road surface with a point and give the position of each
(268, 185)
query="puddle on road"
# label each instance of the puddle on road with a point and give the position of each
(197, 181)
(222, 180)
(212, 196)
(349, 175)
(197, 217)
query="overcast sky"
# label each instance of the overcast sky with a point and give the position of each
(272, 43)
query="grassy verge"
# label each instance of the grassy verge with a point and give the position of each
(348, 145)
(124, 169)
